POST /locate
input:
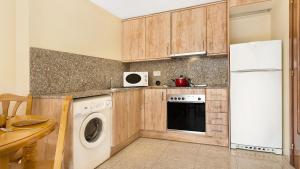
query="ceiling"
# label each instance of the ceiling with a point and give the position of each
(133, 8)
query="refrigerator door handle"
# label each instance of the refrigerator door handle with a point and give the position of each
(256, 70)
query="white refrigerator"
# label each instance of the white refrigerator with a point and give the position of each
(256, 96)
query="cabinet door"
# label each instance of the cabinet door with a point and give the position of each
(155, 110)
(135, 111)
(243, 2)
(217, 29)
(120, 117)
(158, 32)
(189, 31)
(133, 45)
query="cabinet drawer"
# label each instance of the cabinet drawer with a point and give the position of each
(217, 118)
(216, 106)
(217, 130)
(216, 94)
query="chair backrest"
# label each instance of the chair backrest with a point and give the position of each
(59, 152)
(6, 100)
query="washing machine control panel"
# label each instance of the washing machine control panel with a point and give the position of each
(84, 107)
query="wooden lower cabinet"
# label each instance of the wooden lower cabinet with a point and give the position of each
(136, 108)
(120, 117)
(155, 110)
(217, 128)
(126, 115)
(217, 118)
(217, 113)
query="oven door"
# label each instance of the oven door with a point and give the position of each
(186, 116)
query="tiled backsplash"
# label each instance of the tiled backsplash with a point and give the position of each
(60, 72)
(201, 70)
(54, 72)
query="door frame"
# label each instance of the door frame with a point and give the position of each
(294, 67)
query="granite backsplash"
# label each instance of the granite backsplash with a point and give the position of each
(60, 72)
(212, 71)
(54, 72)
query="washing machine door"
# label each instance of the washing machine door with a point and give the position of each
(92, 130)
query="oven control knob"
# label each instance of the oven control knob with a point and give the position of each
(175, 98)
(172, 98)
(183, 98)
(179, 98)
(199, 98)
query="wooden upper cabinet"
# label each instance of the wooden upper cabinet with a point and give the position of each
(155, 110)
(233, 3)
(217, 29)
(189, 31)
(133, 45)
(158, 32)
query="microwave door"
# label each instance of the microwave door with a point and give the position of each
(133, 78)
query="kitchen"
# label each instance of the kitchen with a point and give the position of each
(180, 56)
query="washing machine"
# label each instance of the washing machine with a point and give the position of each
(91, 131)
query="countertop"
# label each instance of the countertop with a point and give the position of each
(91, 93)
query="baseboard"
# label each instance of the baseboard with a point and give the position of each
(185, 137)
(121, 146)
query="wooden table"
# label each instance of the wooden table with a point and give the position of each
(11, 142)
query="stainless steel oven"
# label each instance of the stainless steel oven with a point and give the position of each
(186, 112)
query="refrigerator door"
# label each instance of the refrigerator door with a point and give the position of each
(256, 108)
(265, 55)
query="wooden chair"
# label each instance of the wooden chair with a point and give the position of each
(6, 100)
(59, 152)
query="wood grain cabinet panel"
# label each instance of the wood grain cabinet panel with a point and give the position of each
(217, 118)
(217, 29)
(216, 94)
(189, 30)
(155, 110)
(135, 111)
(120, 117)
(216, 106)
(243, 2)
(158, 34)
(133, 40)
(217, 131)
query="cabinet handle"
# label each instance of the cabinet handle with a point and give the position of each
(203, 45)
(162, 96)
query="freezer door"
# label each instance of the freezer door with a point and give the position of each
(256, 108)
(256, 55)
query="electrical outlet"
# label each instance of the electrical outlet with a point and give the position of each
(156, 73)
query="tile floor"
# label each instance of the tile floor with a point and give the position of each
(161, 154)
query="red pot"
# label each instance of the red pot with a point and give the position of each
(181, 81)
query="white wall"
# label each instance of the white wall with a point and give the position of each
(75, 26)
(7, 46)
(22, 47)
(249, 28)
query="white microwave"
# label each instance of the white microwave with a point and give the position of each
(135, 79)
